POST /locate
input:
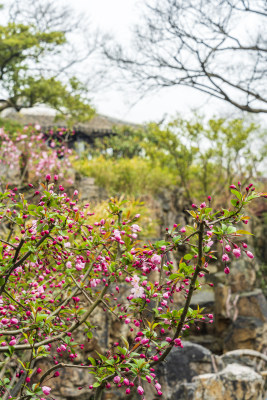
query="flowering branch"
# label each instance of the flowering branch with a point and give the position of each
(40, 303)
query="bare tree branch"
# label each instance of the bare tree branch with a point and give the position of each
(216, 47)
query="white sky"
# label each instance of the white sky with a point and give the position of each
(116, 17)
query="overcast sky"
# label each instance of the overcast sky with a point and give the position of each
(117, 17)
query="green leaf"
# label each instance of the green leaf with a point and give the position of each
(188, 257)
(244, 232)
(224, 227)
(230, 229)
(103, 358)
(92, 360)
(176, 239)
(252, 196)
(237, 194)
(41, 317)
(161, 243)
(89, 335)
(122, 350)
(234, 202)
(174, 276)
(125, 342)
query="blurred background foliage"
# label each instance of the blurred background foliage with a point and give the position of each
(201, 156)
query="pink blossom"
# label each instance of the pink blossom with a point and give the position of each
(12, 342)
(228, 248)
(80, 266)
(137, 291)
(203, 205)
(94, 282)
(117, 379)
(135, 228)
(140, 390)
(250, 255)
(144, 341)
(183, 230)
(46, 390)
(226, 270)
(225, 257)
(156, 259)
(237, 252)
(177, 343)
(117, 234)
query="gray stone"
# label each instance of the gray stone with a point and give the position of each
(203, 298)
(181, 366)
(246, 333)
(235, 382)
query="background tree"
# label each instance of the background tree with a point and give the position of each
(37, 59)
(197, 155)
(216, 47)
(205, 154)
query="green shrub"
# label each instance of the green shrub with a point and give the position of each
(134, 176)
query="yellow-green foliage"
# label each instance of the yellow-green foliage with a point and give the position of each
(148, 219)
(134, 176)
(202, 157)
(10, 127)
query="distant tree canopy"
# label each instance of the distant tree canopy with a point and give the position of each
(200, 156)
(25, 79)
(218, 47)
